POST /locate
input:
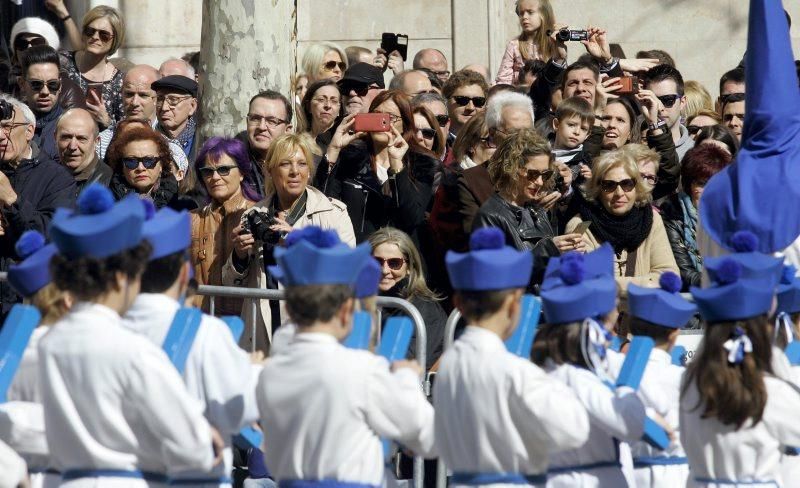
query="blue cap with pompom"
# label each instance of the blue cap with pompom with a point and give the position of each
(788, 291)
(33, 272)
(99, 228)
(579, 286)
(662, 306)
(758, 267)
(733, 295)
(490, 264)
(167, 231)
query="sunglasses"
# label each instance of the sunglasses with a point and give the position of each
(428, 133)
(478, 102)
(652, 179)
(488, 142)
(393, 263)
(105, 36)
(207, 172)
(21, 44)
(331, 65)
(38, 85)
(669, 100)
(610, 186)
(693, 129)
(149, 162)
(534, 175)
(443, 119)
(360, 90)
(731, 97)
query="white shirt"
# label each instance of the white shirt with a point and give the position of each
(324, 408)
(752, 453)
(112, 400)
(499, 413)
(25, 385)
(218, 372)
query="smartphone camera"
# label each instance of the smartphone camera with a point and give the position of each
(395, 42)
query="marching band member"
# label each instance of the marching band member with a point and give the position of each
(498, 416)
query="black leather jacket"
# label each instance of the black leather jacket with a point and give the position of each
(674, 223)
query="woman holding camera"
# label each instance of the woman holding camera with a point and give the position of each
(289, 203)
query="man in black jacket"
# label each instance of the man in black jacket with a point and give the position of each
(77, 138)
(40, 85)
(30, 188)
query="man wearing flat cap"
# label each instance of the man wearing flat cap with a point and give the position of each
(176, 104)
(360, 85)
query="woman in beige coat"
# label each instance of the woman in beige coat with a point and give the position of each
(290, 203)
(619, 213)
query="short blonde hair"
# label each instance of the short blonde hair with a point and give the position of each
(312, 59)
(512, 155)
(283, 147)
(618, 158)
(114, 18)
(640, 152)
(697, 98)
(711, 114)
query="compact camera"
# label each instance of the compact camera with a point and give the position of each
(566, 34)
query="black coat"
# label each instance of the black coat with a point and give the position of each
(675, 223)
(166, 195)
(401, 203)
(42, 186)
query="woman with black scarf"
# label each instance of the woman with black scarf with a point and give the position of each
(618, 209)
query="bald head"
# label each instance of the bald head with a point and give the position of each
(76, 139)
(138, 100)
(434, 60)
(480, 69)
(176, 67)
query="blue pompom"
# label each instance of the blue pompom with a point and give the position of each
(317, 236)
(729, 271)
(487, 238)
(29, 242)
(744, 241)
(572, 256)
(95, 199)
(572, 271)
(789, 273)
(149, 208)
(670, 282)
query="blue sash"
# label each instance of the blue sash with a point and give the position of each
(327, 483)
(180, 336)
(14, 338)
(792, 352)
(475, 479)
(585, 467)
(201, 481)
(361, 331)
(236, 326)
(647, 461)
(75, 474)
(521, 340)
(734, 483)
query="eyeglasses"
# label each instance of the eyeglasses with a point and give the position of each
(52, 85)
(104, 35)
(7, 127)
(331, 65)
(652, 179)
(21, 44)
(669, 100)
(428, 133)
(533, 175)
(149, 162)
(257, 120)
(359, 89)
(443, 119)
(207, 171)
(172, 101)
(488, 142)
(610, 186)
(693, 129)
(321, 100)
(423, 92)
(464, 101)
(441, 74)
(394, 118)
(393, 263)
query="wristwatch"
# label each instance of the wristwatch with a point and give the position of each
(658, 125)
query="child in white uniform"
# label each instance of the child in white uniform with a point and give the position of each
(577, 291)
(324, 407)
(116, 410)
(498, 416)
(660, 313)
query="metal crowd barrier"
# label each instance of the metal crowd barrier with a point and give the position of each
(382, 302)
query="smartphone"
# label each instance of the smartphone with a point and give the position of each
(630, 85)
(96, 88)
(395, 42)
(372, 123)
(582, 227)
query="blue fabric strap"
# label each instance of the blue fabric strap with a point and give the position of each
(75, 474)
(645, 461)
(735, 483)
(791, 451)
(475, 479)
(44, 471)
(584, 467)
(220, 480)
(327, 483)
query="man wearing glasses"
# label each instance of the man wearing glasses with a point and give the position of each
(666, 83)
(176, 103)
(465, 93)
(31, 188)
(360, 85)
(269, 116)
(40, 86)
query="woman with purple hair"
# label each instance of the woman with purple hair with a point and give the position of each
(223, 167)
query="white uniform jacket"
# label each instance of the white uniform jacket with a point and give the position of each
(324, 408)
(112, 400)
(499, 413)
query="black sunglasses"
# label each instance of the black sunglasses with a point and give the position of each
(52, 85)
(428, 133)
(393, 263)
(652, 179)
(105, 36)
(693, 129)
(207, 171)
(360, 89)
(534, 175)
(443, 119)
(488, 141)
(610, 186)
(149, 162)
(21, 44)
(669, 100)
(731, 97)
(464, 101)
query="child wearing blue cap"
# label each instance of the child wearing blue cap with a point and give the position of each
(577, 293)
(324, 407)
(660, 313)
(218, 372)
(117, 412)
(498, 415)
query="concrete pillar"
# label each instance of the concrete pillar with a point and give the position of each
(246, 46)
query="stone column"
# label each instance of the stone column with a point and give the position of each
(246, 46)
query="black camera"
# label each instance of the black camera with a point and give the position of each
(566, 34)
(258, 224)
(6, 110)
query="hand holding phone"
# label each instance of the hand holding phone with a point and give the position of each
(372, 122)
(395, 42)
(95, 90)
